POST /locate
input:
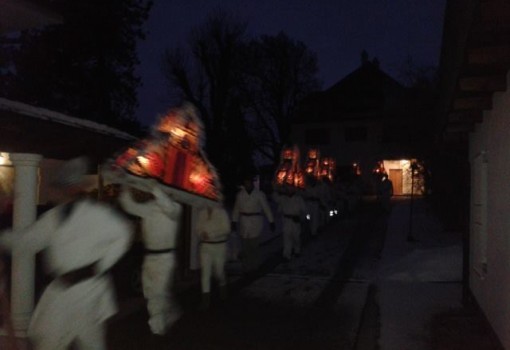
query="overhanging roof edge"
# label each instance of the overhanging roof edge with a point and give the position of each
(46, 114)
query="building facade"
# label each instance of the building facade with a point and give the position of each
(366, 120)
(475, 125)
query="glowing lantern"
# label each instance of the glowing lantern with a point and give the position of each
(327, 168)
(379, 168)
(289, 172)
(356, 168)
(312, 162)
(174, 157)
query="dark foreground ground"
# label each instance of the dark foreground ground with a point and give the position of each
(325, 299)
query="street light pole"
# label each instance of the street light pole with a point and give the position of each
(410, 237)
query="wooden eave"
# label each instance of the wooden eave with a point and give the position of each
(16, 15)
(483, 67)
(28, 129)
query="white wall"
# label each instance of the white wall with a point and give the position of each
(490, 145)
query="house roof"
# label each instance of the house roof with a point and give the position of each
(367, 92)
(28, 129)
(23, 14)
(475, 60)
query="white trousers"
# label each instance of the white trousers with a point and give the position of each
(91, 338)
(157, 278)
(212, 259)
(72, 314)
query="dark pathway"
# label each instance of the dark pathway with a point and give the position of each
(312, 302)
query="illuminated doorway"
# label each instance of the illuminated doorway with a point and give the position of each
(395, 176)
(402, 177)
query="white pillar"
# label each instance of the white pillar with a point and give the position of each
(26, 181)
(194, 241)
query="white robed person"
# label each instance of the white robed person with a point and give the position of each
(293, 209)
(82, 239)
(161, 218)
(315, 202)
(213, 229)
(248, 214)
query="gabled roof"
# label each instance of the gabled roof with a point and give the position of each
(366, 92)
(368, 79)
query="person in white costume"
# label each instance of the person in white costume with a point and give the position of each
(250, 206)
(82, 240)
(294, 210)
(213, 228)
(160, 226)
(314, 200)
(326, 193)
(384, 193)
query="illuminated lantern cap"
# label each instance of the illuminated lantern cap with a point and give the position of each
(312, 166)
(289, 172)
(328, 168)
(173, 156)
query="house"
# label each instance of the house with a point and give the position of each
(367, 121)
(474, 127)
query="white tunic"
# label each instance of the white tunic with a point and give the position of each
(213, 228)
(160, 216)
(92, 233)
(248, 211)
(292, 206)
(216, 226)
(160, 227)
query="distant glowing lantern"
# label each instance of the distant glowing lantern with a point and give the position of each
(327, 168)
(379, 168)
(289, 172)
(312, 166)
(356, 168)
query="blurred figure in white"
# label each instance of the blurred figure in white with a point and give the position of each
(293, 209)
(82, 240)
(250, 207)
(213, 229)
(314, 200)
(5, 314)
(161, 218)
(327, 200)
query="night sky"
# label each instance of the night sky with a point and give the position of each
(336, 30)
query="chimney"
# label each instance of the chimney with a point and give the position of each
(364, 57)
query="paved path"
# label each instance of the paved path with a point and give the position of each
(312, 302)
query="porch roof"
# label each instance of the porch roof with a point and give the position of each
(28, 129)
(474, 62)
(23, 14)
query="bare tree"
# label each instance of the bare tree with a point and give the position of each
(237, 82)
(208, 78)
(279, 72)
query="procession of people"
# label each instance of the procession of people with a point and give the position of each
(83, 238)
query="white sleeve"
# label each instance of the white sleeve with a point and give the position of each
(167, 205)
(35, 237)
